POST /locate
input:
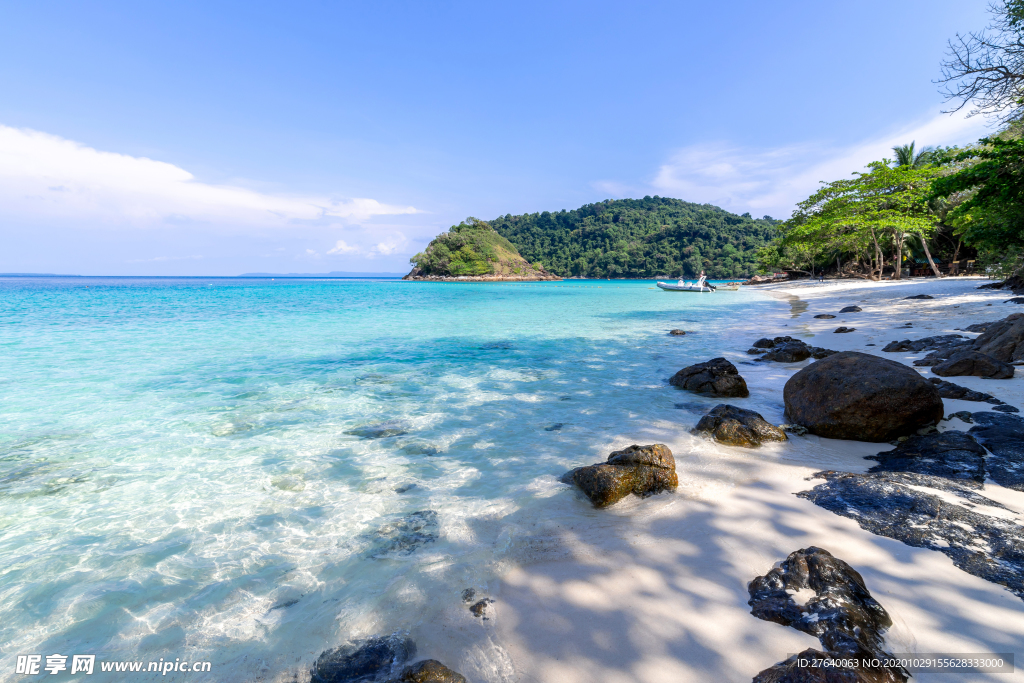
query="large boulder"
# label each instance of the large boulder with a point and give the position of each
(837, 608)
(973, 363)
(1004, 339)
(852, 395)
(717, 377)
(640, 470)
(734, 426)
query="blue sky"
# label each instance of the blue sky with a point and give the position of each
(218, 138)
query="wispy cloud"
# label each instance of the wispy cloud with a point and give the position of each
(772, 181)
(43, 175)
(342, 248)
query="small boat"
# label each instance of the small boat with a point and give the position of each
(688, 287)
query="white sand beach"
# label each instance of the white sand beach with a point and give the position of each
(655, 590)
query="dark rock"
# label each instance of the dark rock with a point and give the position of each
(381, 430)
(1003, 435)
(1015, 284)
(973, 363)
(843, 330)
(918, 296)
(1006, 409)
(937, 342)
(950, 390)
(406, 534)
(952, 454)
(1015, 300)
(677, 333)
(794, 429)
(789, 352)
(555, 427)
(428, 671)
(754, 351)
(717, 377)
(851, 309)
(405, 488)
(1003, 339)
(766, 343)
(479, 609)
(943, 353)
(737, 427)
(962, 415)
(468, 595)
(363, 661)
(979, 327)
(824, 316)
(818, 353)
(891, 504)
(853, 395)
(640, 470)
(844, 617)
(870, 345)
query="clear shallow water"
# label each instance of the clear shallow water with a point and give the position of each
(224, 470)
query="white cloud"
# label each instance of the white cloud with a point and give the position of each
(342, 248)
(43, 175)
(772, 181)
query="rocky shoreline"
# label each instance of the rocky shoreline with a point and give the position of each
(480, 278)
(878, 507)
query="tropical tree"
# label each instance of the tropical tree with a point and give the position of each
(905, 156)
(989, 188)
(880, 208)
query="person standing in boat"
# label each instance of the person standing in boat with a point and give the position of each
(701, 280)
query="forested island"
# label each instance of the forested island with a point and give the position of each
(640, 238)
(473, 251)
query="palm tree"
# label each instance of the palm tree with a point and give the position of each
(905, 156)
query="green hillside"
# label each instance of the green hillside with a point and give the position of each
(473, 249)
(641, 238)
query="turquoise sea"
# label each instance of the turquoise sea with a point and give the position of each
(249, 471)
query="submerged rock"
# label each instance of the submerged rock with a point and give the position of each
(850, 309)
(843, 330)
(1003, 435)
(734, 426)
(853, 395)
(950, 390)
(364, 661)
(1006, 409)
(381, 430)
(428, 671)
(406, 534)
(717, 377)
(973, 363)
(892, 504)
(918, 296)
(824, 316)
(479, 608)
(842, 614)
(951, 454)
(640, 470)
(677, 333)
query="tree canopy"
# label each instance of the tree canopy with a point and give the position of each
(640, 238)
